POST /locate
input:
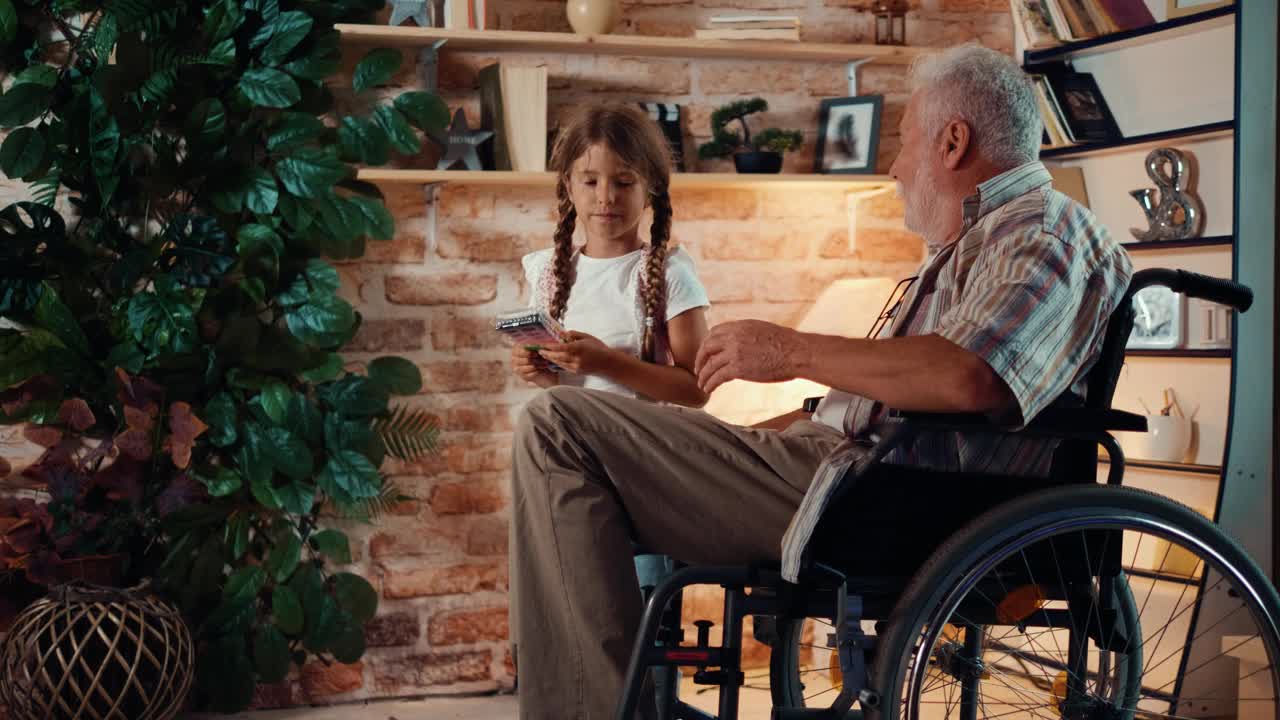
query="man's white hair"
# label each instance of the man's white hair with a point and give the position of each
(988, 91)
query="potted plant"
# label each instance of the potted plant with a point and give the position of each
(761, 153)
(172, 341)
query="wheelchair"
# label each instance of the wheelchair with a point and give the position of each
(928, 594)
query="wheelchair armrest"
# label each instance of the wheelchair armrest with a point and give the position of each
(1063, 421)
(947, 421)
(1086, 420)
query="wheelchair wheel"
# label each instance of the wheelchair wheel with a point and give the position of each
(804, 670)
(1083, 602)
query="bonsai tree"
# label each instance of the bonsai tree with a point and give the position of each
(170, 338)
(726, 142)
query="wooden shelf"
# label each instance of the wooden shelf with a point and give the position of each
(1207, 131)
(1193, 468)
(678, 180)
(686, 47)
(1169, 29)
(1181, 353)
(1201, 242)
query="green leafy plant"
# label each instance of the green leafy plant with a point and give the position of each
(725, 142)
(170, 338)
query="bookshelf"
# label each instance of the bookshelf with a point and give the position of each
(501, 178)
(1205, 131)
(633, 45)
(1160, 31)
(1200, 242)
(1169, 84)
(1188, 468)
(1194, 353)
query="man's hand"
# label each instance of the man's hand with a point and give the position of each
(746, 350)
(531, 368)
(579, 353)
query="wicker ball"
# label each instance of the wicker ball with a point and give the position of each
(89, 653)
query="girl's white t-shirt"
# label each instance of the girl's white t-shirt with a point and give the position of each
(603, 302)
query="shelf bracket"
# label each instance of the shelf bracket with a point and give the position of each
(428, 65)
(851, 71)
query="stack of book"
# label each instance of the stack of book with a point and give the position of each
(750, 27)
(1045, 23)
(513, 104)
(464, 14)
(1073, 110)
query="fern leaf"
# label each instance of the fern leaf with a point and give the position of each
(407, 434)
(46, 188)
(157, 87)
(370, 509)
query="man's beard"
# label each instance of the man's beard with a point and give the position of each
(921, 206)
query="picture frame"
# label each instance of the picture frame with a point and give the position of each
(1158, 319)
(667, 117)
(848, 135)
(1182, 8)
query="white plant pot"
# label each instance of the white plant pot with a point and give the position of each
(1167, 439)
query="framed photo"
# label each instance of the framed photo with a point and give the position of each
(1157, 321)
(1179, 8)
(667, 116)
(849, 134)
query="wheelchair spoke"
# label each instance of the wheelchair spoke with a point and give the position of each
(1031, 576)
(1179, 651)
(1023, 693)
(814, 647)
(1180, 613)
(1225, 653)
(1033, 685)
(1052, 587)
(818, 694)
(1181, 595)
(1015, 653)
(1151, 714)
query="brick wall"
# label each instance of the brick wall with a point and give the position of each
(440, 558)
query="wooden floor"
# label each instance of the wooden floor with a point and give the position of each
(754, 706)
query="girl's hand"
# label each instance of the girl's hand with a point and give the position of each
(531, 368)
(580, 353)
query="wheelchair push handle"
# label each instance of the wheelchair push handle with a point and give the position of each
(1195, 285)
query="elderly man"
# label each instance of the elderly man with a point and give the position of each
(1007, 314)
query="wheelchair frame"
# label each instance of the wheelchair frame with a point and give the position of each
(824, 591)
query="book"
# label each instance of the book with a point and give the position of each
(1030, 18)
(1059, 21)
(1054, 135)
(1128, 14)
(513, 104)
(1084, 109)
(1077, 19)
(1055, 111)
(790, 35)
(754, 25)
(478, 12)
(717, 19)
(667, 116)
(1099, 17)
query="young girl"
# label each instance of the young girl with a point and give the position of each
(635, 313)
